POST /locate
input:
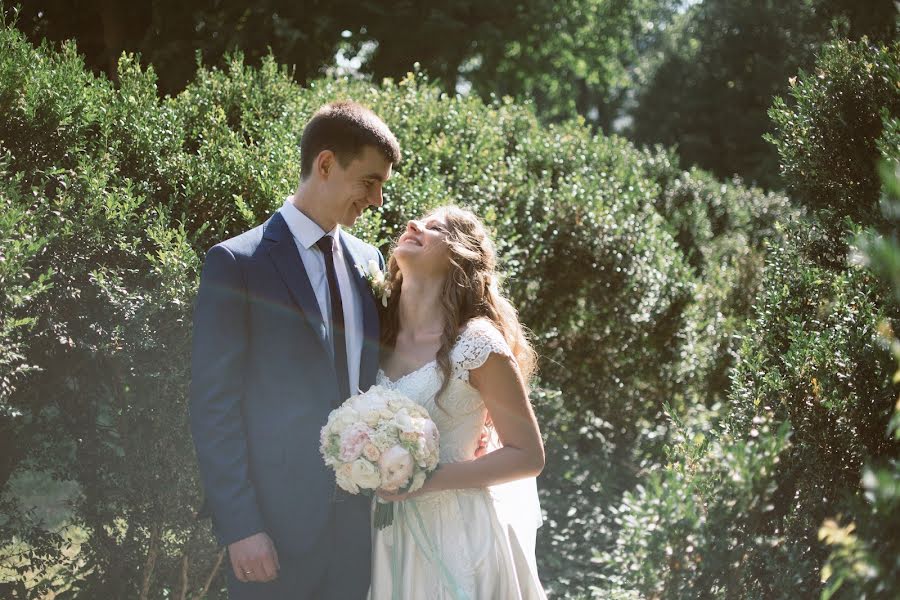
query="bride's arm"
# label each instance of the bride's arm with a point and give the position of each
(522, 455)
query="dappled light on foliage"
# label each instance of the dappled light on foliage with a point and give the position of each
(718, 381)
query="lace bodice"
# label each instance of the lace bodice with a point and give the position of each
(462, 413)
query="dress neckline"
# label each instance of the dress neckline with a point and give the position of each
(413, 372)
(431, 362)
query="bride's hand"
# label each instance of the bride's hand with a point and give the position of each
(397, 497)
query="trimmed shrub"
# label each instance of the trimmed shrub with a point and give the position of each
(815, 360)
(747, 505)
(827, 135)
(721, 229)
(749, 502)
(864, 554)
(125, 191)
(686, 531)
(122, 192)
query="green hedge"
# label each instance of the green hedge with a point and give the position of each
(827, 131)
(761, 496)
(111, 195)
(863, 561)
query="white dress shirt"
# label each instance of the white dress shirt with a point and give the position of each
(306, 233)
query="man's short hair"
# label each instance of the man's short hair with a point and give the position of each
(345, 128)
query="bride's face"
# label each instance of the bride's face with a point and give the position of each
(423, 246)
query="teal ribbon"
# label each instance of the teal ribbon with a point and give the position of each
(395, 559)
(416, 527)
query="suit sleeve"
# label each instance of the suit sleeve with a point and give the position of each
(217, 367)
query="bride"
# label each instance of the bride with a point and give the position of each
(453, 344)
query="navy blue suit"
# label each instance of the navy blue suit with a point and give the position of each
(262, 385)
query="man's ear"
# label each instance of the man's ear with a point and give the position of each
(324, 163)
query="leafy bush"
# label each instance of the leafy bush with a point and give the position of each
(814, 359)
(746, 504)
(111, 195)
(863, 561)
(739, 511)
(686, 531)
(105, 404)
(721, 228)
(827, 135)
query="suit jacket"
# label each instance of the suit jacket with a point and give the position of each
(263, 383)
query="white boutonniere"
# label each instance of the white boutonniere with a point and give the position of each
(379, 281)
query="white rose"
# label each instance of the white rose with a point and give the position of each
(365, 474)
(346, 418)
(404, 421)
(367, 402)
(432, 435)
(372, 417)
(396, 468)
(342, 478)
(422, 450)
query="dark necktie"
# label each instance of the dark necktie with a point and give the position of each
(339, 341)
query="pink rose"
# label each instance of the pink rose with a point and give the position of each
(396, 468)
(353, 440)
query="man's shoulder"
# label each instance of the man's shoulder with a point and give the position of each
(359, 245)
(244, 244)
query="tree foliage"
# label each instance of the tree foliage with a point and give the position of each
(714, 77)
(571, 57)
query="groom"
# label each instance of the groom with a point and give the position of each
(285, 329)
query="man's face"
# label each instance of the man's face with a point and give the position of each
(353, 189)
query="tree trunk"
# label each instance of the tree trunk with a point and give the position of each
(150, 564)
(182, 593)
(212, 574)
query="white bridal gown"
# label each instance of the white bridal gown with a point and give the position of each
(468, 544)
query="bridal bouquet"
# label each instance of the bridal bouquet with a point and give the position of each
(380, 439)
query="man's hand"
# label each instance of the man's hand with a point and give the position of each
(483, 441)
(254, 558)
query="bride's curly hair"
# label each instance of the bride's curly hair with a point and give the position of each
(471, 290)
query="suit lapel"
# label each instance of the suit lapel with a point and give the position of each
(369, 355)
(286, 257)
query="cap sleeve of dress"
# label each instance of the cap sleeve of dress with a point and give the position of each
(475, 344)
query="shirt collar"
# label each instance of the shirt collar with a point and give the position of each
(305, 231)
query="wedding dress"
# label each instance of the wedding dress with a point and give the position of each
(465, 544)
